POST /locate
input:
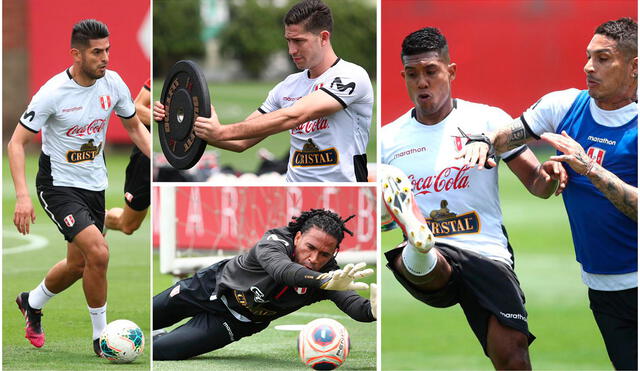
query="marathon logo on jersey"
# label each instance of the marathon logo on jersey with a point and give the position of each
(311, 156)
(451, 178)
(443, 222)
(597, 154)
(69, 220)
(311, 126)
(105, 102)
(87, 152)
(337, 82)
(409, 152)
(301, 290)
(94, 127)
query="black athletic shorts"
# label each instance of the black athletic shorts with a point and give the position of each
(137, 185)
(211, 326)
(483, 287)
(616, 313)
(72, 209)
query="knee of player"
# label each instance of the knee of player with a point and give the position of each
(99, 255)
(513, 357)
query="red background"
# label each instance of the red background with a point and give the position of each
(237, 217)
(50, 24)
(509, 53)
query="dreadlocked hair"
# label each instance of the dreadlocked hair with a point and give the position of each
(325, 220)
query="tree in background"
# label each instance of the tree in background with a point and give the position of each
(176, 33)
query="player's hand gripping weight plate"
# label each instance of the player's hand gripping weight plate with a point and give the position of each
(185, 96)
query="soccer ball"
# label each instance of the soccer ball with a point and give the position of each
(122, 341)
(323, 344)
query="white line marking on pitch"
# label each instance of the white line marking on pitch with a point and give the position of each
(319, 315)
(33, 242)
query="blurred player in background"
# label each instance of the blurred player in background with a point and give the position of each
(596, 134)
(327, 107)
(137, 184)
(289, 268)
(471, 261)
(72, 109)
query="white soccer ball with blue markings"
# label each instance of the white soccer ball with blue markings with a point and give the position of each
(323, 344)
(122, 341)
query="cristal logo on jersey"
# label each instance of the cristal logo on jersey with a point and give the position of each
(443, 222)
(88, 152)
(105, 102)
(69, 220)
(311, 155)
(450, 178)
(93, 127)
(597, 154)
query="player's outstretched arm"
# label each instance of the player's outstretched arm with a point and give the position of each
(24, 213)
(542, 180)
(230, 145)
(310, 107)
(503, 140)
(138, 134)
(622, 195)
(344, 279)
(142, 102)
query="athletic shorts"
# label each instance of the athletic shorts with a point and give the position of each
(72, 209)
(483, 287)
(137, 185)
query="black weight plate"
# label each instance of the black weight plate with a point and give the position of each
(185, 96)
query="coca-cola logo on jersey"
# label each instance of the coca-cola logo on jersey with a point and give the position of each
(450, 178)
(311, 126)
(94, 127)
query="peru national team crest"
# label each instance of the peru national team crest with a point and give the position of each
(105, 102)
(458, 142)
(69, 220)
(596, 154)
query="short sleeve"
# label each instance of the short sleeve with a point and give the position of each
(125, 107)
(348, 85)
(545, 115)
(272, 103)
(38, 111)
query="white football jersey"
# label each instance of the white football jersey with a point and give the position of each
(74, 120)
(331, 148)
(461, 204)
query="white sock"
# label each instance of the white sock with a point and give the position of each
(418, 263)
(98, 320)
(39, 296)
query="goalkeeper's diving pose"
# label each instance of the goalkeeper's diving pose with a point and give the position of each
(289, 268)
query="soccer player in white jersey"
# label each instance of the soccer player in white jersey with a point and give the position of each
(457, 250)
(72, 110)
(327, 107)
(596, 134)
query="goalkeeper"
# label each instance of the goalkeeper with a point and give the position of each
(289, 268)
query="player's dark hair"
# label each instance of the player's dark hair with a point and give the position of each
(85, 30)
(624, 31)
(425, 40)
(314, 15)
(325, 220)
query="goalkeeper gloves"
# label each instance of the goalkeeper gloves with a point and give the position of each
(343, 279)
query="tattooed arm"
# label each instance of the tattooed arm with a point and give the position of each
(622, 195)
(506, 138)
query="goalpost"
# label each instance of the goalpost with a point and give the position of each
(217, 211)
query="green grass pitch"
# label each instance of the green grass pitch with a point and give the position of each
(418, 337)
(66, 319)
(234, 102)
(274, 349)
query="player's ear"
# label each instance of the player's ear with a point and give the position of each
(75, 53)
(452, 71)
(324, 37)
(634, 68)
(402, 73)
(296, 239)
